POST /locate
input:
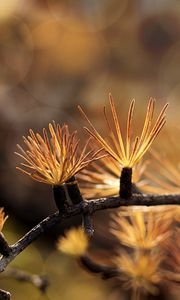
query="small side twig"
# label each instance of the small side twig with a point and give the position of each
(88, 225)
(39, 281)
(73, 190)
(76, 197)
(93, 267)
(59, 194)
(126, 183)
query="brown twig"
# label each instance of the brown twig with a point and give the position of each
(39, 281)
(93, 267)
(76, 197)
(73, 190)
(85, 207)
(59, 194)
(126, 183)
(88, 224)
(4, 295)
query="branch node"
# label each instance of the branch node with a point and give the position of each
(87, 224)
(126, 183)
(73, 190)
(59, 197)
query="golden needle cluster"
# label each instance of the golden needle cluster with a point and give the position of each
(128, 152)
(147, 235)
(140, 272)
(141, 229)
(74, 243)
(55, 159)
(163, 175)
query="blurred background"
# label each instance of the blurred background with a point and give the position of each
(54, 55)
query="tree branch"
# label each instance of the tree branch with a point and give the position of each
(93, 267)
(39, 281)
(4, 295)
(85, 207)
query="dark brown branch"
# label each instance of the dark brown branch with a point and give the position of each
(59, 194)
(76, 197)
(126, 183)
(4, 295)
(73, 190)
(85, 207)
(93, 267)
(88, 225)
(29, 237)
(39, 281)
